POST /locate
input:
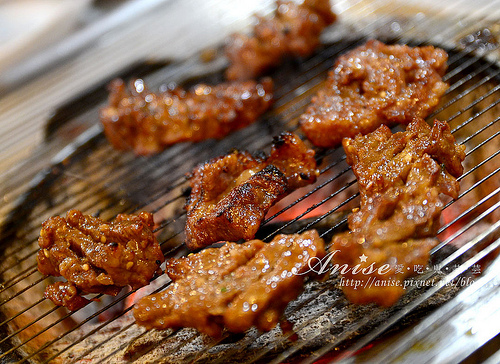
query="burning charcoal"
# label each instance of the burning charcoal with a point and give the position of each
(323, 226)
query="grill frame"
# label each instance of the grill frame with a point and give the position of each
(92, 137)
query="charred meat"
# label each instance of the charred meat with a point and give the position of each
(96, 256)
(230, 195)
(293, 30)
(148, 122)
(236, 286)
(400, 178)
(372, 85)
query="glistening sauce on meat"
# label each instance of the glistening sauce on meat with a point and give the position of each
(400, 178)
(236, 286)
(230, 195)
(293, 30)
(96, 256)
(148, 122)
(372, 85)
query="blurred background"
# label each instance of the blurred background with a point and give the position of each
(53, 50)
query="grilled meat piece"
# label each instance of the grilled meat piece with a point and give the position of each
(381, 159)
(97, 256)
(149, 122)
(230, 195)
(400, 178)
(293, 30)
(236, 286)
(66, 294)
(372, 85)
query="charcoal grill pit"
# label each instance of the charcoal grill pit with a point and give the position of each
(89, 175)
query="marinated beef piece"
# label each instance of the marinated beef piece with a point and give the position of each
(65, 294)
(96, 256)
(149, 122)
(236, 286)
(381, 159)
(400, 178)
(372, 85)
(293, 30)
(230, 195)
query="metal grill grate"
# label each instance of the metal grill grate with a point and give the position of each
(92, 177)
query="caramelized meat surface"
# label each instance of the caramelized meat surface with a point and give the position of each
(400, 178)
(148, 122)
(66, 294)
(230, 195)
(372, 85)
(236, 286)
(382, 159)
(293, 30)
(97, 256)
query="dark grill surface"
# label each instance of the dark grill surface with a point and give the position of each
(89, 175)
